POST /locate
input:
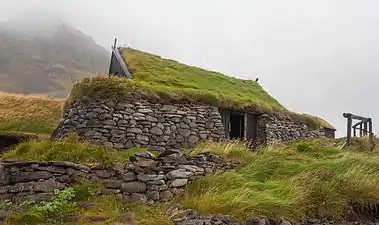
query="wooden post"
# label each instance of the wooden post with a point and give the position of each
(349, 124)
(370, 135)
(115, 43)
(355, 131)
(365, 128)
(360, 130)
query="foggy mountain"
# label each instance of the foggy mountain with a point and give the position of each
(47, 57)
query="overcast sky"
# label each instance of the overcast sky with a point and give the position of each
(314, 56)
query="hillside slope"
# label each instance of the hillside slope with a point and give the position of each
(29, 113)
(47, 59)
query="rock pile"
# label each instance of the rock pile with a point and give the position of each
(146, 179)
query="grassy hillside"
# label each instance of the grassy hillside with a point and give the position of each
(29, 113)
(48, 59)
(294, 180)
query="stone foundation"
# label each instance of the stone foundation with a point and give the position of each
(125, 125)
(147, 179)
(271, 128)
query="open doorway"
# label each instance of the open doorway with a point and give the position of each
(237, 126)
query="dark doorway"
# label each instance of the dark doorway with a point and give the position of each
(237, 126)
(7, 141)
(251, 127)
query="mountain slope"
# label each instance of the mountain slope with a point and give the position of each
(47, 59)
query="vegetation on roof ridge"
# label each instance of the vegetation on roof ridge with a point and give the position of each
(166, 80)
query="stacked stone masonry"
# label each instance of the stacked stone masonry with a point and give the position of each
(134, 124)
(272, 128)
(147, 179)
(124, 125)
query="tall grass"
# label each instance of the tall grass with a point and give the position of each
(71, 150)
(284, 181)
(29, 113)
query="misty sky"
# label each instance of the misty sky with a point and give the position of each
(315, 56)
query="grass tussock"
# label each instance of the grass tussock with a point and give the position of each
(71, 150)
(299, 179)
(29, 113)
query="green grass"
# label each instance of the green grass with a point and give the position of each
(170, 75)
(71, 150)
(164, 80)
(29, 113)
(289, 181)
(292, 180)
(26, 125)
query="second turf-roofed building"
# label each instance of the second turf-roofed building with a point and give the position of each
(162, 104)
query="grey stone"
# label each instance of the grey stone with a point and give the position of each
(105, 116)
(183, 125)
(165, 196)
(153, 195)
(133, 187)
(138, 198)
(258, 221)
(103, 173)
(19, 187)
(91, 115)
(151, 119)
(123, 123)
(157, 187)
(112, 183)
(48, 186)
(209, 125)
(142, 137)
(109, 122)
(156, 131)
(179, 174)
(156, 182)
(193, 139)
(144, 111)
(30, 176)
(118, 145)
(109, 191)
(184, 132)
(160, 126)
(192, 168)
(178, 183)
(64, 179)
(149, 177)
(134, 130)
(100, 110)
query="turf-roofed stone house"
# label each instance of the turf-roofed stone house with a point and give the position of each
(162, 104)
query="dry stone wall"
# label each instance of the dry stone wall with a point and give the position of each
(272, 128)
(125, 125)
(146, 179)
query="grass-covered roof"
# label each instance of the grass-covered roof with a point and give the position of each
(166, 80)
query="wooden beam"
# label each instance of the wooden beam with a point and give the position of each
(355, 117)
(365, 129)
(360, 130)
(357, 124)
(349, 123)
(371, 135)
